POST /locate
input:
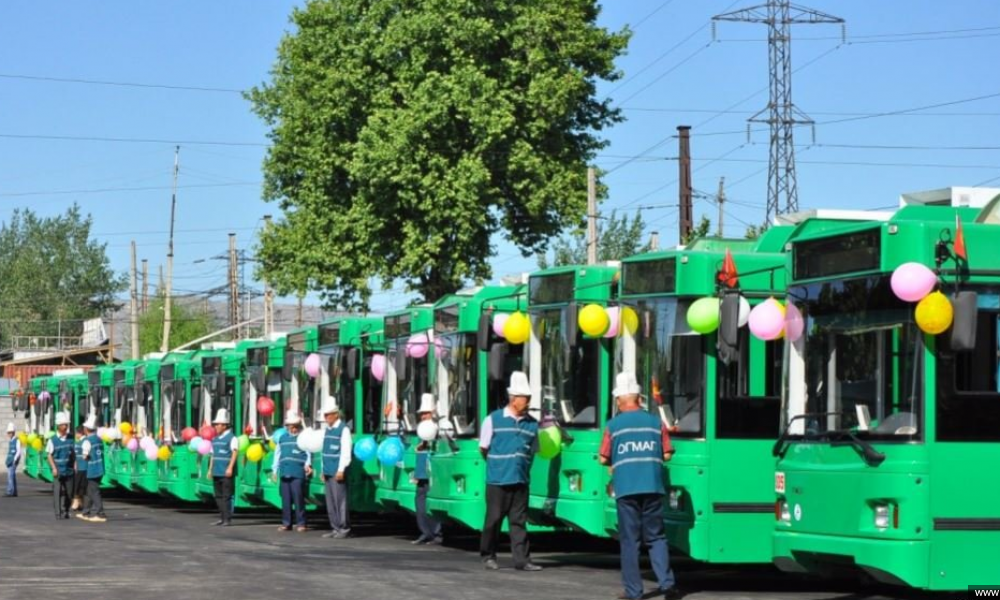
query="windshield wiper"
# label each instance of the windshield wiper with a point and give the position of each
(779, 444)
(871, 455)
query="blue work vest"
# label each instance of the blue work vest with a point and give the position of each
(222, 452)
(95, 463)
(292, 462)
(62, 454)
(422, 466)
(509, 457)
(81, 462)
(332, 449)
(11, 452)
(636, 454)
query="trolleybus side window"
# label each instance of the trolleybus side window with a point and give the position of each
(458, 383)
(196, 404)
(968, 403)
(372, 399)
(340, 387)
(741, 414)
(570, 374)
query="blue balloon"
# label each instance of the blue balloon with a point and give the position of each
(194, 443)
(278, 434)
(390, 451)
(365, 449)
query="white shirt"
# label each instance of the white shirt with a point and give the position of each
(17, 449)
(345, 447)
(49, 447)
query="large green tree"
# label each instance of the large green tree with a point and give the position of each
(617, 238)
(53, 276)
(187, 323)
(406, 133)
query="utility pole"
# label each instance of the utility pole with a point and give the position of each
(298, 315)
(591, 216)
(144, 305)
(720, 198)
(165, 344)
(685, 221)
(134, 307)
(781, 113)
(268, 300)
(234, 306)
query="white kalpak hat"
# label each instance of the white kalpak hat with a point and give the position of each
(292, 418)
(626, 385)
(519, 385)
(62, 418)
(221, 417)
(90, 423)
(10, 427)
(426, 403)
(330, 405)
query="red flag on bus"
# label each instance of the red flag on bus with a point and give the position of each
(728, 275)
(959, 246)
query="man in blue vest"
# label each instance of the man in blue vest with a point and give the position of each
(508, 440)
(61, 454)
(14, 452)
(225, 448)
(635, 445)
(291, 466)
(336, 459)
(93, 454)
(430, 528)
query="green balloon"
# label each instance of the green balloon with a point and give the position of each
(549, 442)
(703, 315)
(49, 435)
(244, 441)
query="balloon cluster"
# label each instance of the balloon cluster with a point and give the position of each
(515, 327)
(417, 346)
(596, 321)
(109, 434)
(200, 445)
(914, 282)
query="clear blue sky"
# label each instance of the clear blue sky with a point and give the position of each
(675, 74)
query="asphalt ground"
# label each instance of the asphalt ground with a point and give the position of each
(155, 548)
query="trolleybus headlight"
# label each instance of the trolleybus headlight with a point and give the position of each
(674, 499)
(782, 512)
(575, 482)
(881, 516)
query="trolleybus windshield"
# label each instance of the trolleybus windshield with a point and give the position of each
(570, 373)
(668, 359)
(857, 363)
(302, 390)
(97, 401)
(338, 385)
(404, 388)
(457, 382)
(174, 404)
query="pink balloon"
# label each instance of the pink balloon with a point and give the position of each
(912, 281)
(417, 345)
(146, 443)
(767, 320)
(151, 453)
(794, 323)
(439, 348)
(133, 445)
(378, 366)
(204, 447)
(614, 314)
(499, 320)
(312, 365)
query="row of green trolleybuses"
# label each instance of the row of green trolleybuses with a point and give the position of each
(832, 389)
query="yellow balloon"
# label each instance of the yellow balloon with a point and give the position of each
(32, 437)
(630, 320)
(272, 445)
(23, 438)
(517, 329)
(36, 445)
(255, 453)
(125, 428)
(934, 313)
(593, 320)
(163, 453)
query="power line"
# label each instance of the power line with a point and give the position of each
(158, 86)
(649, 15)
(814, 112)
(77, 138)
(125, 189)
(913, 109)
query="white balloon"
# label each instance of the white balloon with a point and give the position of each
(427, 431)
(310, 440)
(744, 313)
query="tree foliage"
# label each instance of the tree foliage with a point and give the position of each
(617, 238)
(405, 134)
(187, 323)
(702, 229)
(53, 276)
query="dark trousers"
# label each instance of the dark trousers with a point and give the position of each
(510, 502)
(94, 503)
(292, 494)
(223, 487)
(80, 484)
(640, 520)
(430, 528)
(336, 504)
(62, 492)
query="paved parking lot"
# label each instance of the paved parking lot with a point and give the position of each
(151, 548)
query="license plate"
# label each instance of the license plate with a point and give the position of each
(779, 482)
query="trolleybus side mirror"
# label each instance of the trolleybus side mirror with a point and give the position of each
(571, 325)
(962, 334)
(497, 361)
(483, 333)
(729, 327)
(400, 363)
(352, 364)
(286, 365)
